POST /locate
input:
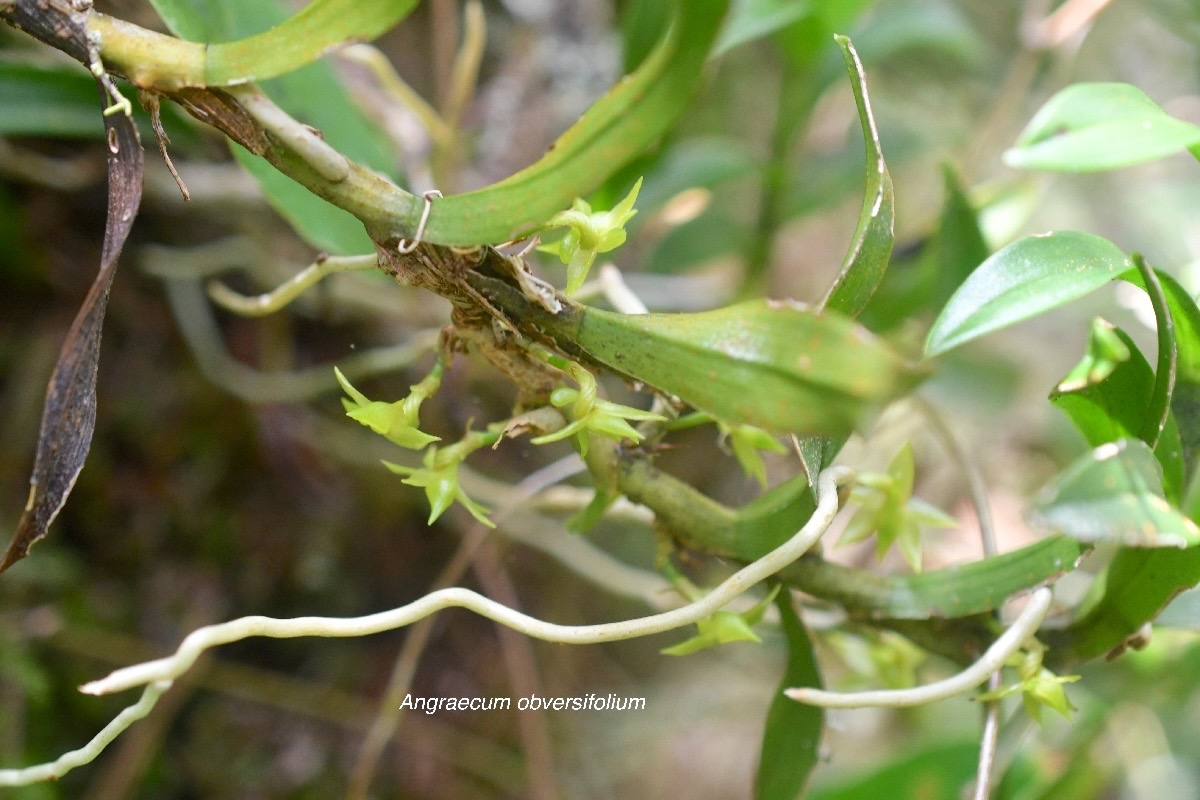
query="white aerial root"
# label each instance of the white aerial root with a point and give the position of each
(199, 641)
(1023, 627)
(54, 770)
(289, 290)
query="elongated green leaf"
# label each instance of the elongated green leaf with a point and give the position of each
(1098, 126)
(298, 40)
(958, 246)
(59, 100)
(1027, 278)
(697, 163)
(615, 130)
(753, 19)
(950, 592)
(710, 236)
(1115, 407)
(792, 736)
(925, 281)
(867, 259)
(811, 373)
(315, 96)
(48, 101)
(1114, 493)
(937, 772)
(617, 127)
(1185, 401)
(1138, 585)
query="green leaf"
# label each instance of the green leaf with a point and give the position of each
(867, 259)
(315, 96)
(1099, 126)
(59, 100)
(612, 132)
(935, 771)
(298, 40)
(1138, 585)
(710, 236)
(792, 735)
(754, 19)
(1114, 493)
(812, 373)
(642, 23)
(1185, 401)
(48, 101)
(958, 246)
(695, 163)
(924, 282)
(1115, 406)
(1027, 278)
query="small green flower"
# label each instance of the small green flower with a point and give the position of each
(1039, 687)
(588, 234)
(724, 627)
(888, 509)
(877, 656)
(439, 478)
(746, 441)
(590, 414)
(397, 421)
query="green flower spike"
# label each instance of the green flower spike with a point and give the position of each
(724, 627)
(439, 478)
(590, 414)
(888, 509)
(589, 233)
(397, 421)
(746, 441)
(1039, 687)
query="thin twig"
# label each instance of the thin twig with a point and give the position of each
(987, 536)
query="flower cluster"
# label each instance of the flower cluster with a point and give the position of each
(398, 422)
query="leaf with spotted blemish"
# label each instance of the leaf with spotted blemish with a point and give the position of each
(1114, 493)
(69, 414)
